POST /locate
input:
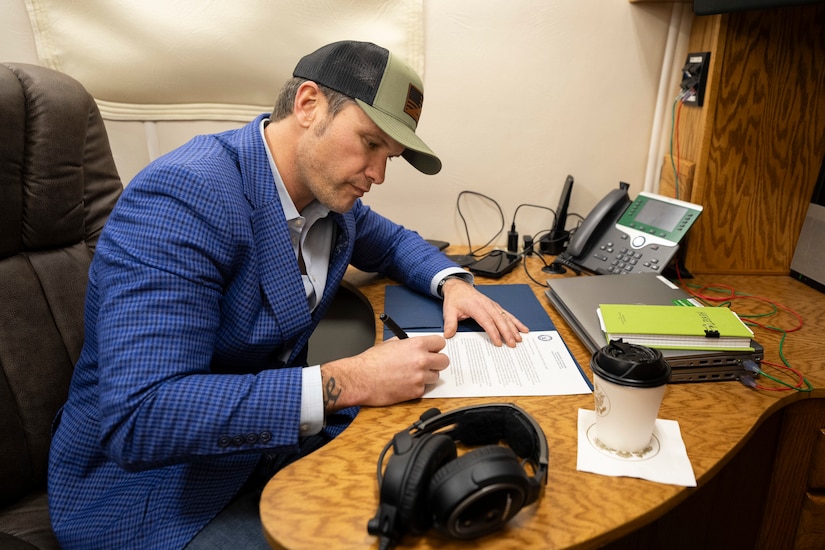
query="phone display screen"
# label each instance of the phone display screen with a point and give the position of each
(661, 215)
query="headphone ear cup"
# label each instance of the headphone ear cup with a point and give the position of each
(431, 452)
(478, 492)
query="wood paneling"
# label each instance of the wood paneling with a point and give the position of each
(802, 424)
(759, 140)
(667, 185)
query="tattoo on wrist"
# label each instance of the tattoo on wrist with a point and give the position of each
(331, 393)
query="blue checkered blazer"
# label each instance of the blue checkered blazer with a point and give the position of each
(193, 293)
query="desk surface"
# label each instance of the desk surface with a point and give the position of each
(327, 498)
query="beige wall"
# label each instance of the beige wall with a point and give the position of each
(519, 93)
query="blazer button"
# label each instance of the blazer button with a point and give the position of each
(238, 440)
(266, 437)
(223, 441)
(251, 439)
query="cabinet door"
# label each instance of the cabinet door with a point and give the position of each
(759, 140)
(793, 511)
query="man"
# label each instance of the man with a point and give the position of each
(213, 270)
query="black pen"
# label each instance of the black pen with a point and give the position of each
(393, 326)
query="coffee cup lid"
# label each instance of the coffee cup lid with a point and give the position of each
(630, 365)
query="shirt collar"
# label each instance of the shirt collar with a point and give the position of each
(314, 211)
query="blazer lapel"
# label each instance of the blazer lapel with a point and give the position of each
(279, 274)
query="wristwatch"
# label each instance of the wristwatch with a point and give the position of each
(439, 290)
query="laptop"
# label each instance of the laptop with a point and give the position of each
(577, 298)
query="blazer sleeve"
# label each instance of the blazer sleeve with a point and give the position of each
(157, 291)
(395, 251)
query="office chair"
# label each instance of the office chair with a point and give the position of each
(58, 184)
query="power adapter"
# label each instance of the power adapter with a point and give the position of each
(512, 240)
(528, 245)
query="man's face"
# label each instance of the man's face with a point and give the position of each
(340, 157)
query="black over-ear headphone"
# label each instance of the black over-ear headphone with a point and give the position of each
(426, 484)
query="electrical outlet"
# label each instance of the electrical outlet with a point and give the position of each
(695, 78)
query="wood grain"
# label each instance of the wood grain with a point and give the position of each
(759, 141)
(667, 184)
(802, 424)
(326, 499)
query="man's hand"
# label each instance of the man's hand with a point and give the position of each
(463, 301)
(389, 373)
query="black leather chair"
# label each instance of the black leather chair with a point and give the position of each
(58, 184)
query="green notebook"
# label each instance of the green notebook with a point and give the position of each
(675, 327)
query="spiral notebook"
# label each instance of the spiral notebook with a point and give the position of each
(577, 299)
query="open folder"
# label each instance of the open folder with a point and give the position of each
(539, 365)
(415, 312)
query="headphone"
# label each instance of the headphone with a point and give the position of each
(426, 484)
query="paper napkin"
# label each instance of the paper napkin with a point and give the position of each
(666, 460)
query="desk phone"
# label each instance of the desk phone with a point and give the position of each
(621, 236)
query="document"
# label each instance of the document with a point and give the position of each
(540, 364)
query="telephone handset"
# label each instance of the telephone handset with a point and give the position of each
(606, 213)
(621, 236)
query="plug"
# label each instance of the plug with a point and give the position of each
(748, 381)
(528, 245)
(751, 366)
(512, 240)
(695, 78)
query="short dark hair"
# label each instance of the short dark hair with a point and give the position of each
(286, 99)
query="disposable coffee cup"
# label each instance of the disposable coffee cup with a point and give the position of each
(629, 384)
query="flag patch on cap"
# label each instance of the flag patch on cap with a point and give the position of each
(414, 103)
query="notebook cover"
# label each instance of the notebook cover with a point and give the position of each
(676, 327)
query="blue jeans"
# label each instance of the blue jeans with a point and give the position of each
(239, 524)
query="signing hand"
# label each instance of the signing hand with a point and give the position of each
(389, 373)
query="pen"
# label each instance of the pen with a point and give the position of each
(393, 326)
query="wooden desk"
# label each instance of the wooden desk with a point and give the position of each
(325, 500)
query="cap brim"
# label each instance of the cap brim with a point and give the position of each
(416, 151)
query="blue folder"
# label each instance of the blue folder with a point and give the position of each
(416, 312)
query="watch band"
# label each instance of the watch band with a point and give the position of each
(439, 290)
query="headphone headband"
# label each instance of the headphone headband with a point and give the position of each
(425, 483)
(467, 429)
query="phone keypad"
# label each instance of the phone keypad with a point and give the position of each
(625, 260)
